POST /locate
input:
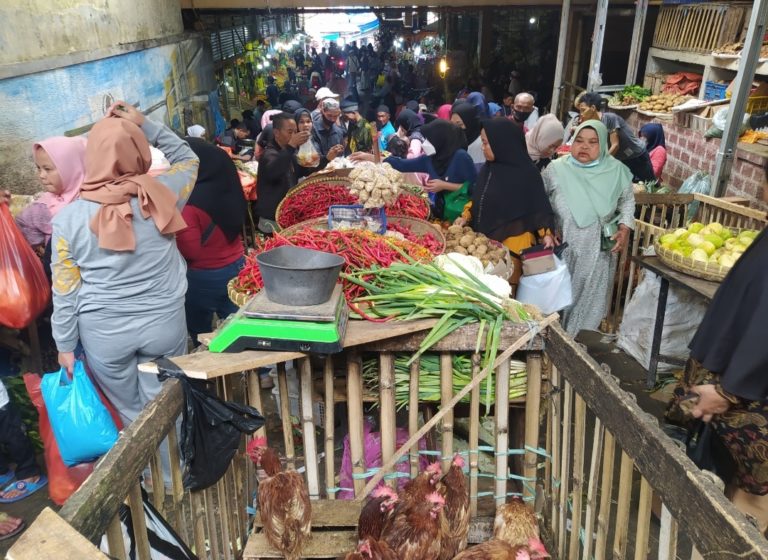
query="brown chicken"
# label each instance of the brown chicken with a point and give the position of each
(284, 505)
(454, 490)
(372, 549)
(516, 524)
(499, 550)
(415, 531)
(416, 490)
(376, 512)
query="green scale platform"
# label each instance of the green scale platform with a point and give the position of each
(264, 325)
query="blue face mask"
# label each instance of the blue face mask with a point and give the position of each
(577, 163)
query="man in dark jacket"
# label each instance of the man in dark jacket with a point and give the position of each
(326, 133)
(277, 174)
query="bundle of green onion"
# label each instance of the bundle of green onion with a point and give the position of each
(429, 378)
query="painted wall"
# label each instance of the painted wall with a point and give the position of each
(170, 84)
(48, 28)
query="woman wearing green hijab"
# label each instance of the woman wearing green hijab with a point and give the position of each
(590, 189)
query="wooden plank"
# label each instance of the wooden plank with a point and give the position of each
(387, 420)
(321, 544)
(532, 421)
(413, 416)
(446, 394)
(197, 506)
(594, 474)
(565, 467)
(620, 537)
(209, 365)
(502, 432)
(115, 540)
(643, 520)
(474, 437)
(355, 421)
(680, 485)
(330, 469)
(337, 514)
(308, 429)
(606, 491)
(91, 507)
(579, 441)
(140, 537)
(50, 536)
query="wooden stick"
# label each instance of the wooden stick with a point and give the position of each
(355, 421)
(522, 341)
(330, 421)
(502, 432)
(474, 437)
(606, 491)
(140, 537)
(228, 505)
(554, 448)
(197, 505)
(388, 423)
(413, 415)
(579, 440)
(594, 474)
(115, 540)
(667, 535)
(254, 399)
(565, 463)
(622, 508)
(177, 486)
(285, 414)
(446, 394)
(158, 481)
(224, 519)
(532, 410)
(210, 519)
(643, 520)
(308, 431)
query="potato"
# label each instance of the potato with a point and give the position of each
(467, 229)
(480, 250)
(461, 250)
(466, 240)
(455, 229)
(471, 249)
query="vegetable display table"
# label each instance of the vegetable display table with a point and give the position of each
(704, 288)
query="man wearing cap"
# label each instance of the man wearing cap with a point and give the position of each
(322, 94)
(384, 124)
(359, 131)
(325, 132)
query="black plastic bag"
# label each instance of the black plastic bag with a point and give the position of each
(211, 429)
(706, 449)
(164, 542)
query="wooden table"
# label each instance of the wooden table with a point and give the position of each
(704, 288)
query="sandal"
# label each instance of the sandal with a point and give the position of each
(4, 518)
(6, 478)
(26, 488)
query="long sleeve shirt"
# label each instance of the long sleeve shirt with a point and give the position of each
(203, 247)
(658, 160)
(277, 174)
(150, 279)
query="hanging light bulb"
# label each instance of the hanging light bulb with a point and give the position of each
(443, 67)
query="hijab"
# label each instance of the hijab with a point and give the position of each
(291, 106)
(409, 121)
(547, 130)
(266, 118)
(509, 198)
(444, 112)
(117, 159)
(471, 119)
(447, 138)
(654, 136)
(195, 131)
(68, 155)
(478, 100)
(218, 191)
(592, 192)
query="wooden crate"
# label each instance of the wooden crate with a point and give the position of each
(699, 27)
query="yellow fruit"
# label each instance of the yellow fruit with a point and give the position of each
(715, 239)
(708, 247)
(695, 227)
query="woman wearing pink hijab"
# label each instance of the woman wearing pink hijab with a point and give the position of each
(444, 112)
(60, 163)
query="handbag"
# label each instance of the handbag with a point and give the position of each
(706, 449)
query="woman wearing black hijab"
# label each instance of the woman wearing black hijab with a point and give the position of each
(509, 202)
(211, 243)
(465, 115)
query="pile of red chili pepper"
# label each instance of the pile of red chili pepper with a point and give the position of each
(427, 240)
(313, 201)
(360, 248)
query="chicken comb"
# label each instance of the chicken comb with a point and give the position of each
(383, 491)
(434, 468)
(255, 444)
(538, 547)
(436, 498)
(458, 460)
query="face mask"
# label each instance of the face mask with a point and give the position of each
(522, 116)
(428, 148)
(577, 163)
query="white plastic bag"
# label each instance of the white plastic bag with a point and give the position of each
(550, 291)
(307, 155)
(685, 310)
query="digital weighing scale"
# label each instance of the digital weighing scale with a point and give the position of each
(264, 325)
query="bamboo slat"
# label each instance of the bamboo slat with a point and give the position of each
(115, 540)
(579, 441)
(413, 416)
(474, 437)
(565, 466)
(177, 487)
(197, 501)
(643, 520)
(446, 394)
(140, 537)
(211, 526)
(622, 508)
(308, 429)
(502, 431)
(594, 475)
(388, 423)
(285, 415)
(355, 413)
(606, 491)
(224, 519)
(553, 448)
(667, 535)
(532, 410)
(330, 402)
(158, 486)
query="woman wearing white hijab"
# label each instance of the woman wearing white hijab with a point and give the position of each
(196, 131)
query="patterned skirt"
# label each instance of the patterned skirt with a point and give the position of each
(743, 429)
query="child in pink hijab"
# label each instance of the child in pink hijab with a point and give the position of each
(60, 163)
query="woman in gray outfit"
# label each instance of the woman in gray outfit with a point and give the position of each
(118, 279)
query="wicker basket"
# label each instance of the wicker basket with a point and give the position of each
(308, 183)
(417, 226)
(705, 270)
(236, 296)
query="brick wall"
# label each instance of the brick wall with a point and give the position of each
(688, 152)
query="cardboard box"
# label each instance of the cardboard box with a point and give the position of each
(538, 263)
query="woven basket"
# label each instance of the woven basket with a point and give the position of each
(705, 270)
(236, 296)
(417, 226)
(409, 190)
(308, 183)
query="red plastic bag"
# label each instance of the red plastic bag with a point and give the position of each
(24, 289)
(62, 480)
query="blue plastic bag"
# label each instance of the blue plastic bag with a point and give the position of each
(81, 424)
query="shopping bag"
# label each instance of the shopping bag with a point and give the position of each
(24, 289)
(211, 429)
(82, 425)
(550, 291)
(164, 542)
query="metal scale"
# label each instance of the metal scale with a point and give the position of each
(264, 325)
